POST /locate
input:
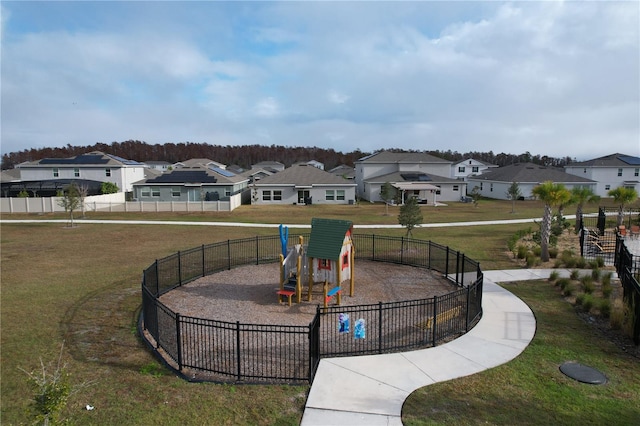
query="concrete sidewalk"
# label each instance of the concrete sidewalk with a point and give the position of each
(370, 390)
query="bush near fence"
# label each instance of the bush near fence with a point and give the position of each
(239, 352)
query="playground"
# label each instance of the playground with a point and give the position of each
(248, 293)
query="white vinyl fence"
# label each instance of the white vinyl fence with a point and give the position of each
(116, 203)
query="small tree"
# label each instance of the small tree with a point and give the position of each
(387, 193)
(410, 215)
(475, 195)
(83, 191)
(514, 193)
(70, 201)
(623, 196)
(552, 194)
(23, 194)
(109, 188)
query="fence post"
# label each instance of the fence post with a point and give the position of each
(379, 327)
(204, 269)
(462, 272)
(373, 247)
(446, 263)
(457, 266)
(178, 342)
(466, 326)
(402, 250)
(239, 374)
(179, 268)
(229, 254)
(435, 317)
(257, 251)
(157, 279)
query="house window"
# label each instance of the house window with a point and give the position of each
(277, 195)
(145, 192)
(607, 187)
(56, 172)
(340, 195)
(619, 172)
(474, 169)
(227, 192)
(636, 172)
(107, 172)
(584, 170)
(266, 195)
(329, 195)
(155, 192)
(345, 260)
(324, 264)
(455, 187)
(461, 169)
(175, 191)
(490, 187)
(480, 186)
(76, 172)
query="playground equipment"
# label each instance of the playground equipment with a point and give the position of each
(327, 259)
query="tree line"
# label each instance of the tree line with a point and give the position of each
(246, 155)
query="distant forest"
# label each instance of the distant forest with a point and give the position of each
(246, 155)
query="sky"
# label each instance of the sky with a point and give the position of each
(556, 78)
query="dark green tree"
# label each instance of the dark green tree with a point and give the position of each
(109, 188)
(410, 215)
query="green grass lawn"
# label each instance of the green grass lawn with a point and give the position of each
(81, 287)
(531, 390)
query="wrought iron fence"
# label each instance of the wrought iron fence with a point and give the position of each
(239, 352)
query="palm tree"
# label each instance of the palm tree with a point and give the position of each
(623, 196)
(552, 194)
(582, 195)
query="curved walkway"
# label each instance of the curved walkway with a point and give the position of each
(370, 390)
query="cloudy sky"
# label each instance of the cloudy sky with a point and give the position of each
(551, 78)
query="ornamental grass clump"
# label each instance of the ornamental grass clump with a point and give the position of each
(553, 276)
(588, 286)
(575, 274)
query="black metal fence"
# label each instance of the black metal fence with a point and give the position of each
(599, 238)
(242, 352)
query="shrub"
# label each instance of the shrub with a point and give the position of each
(580, 299)
(532, 260)
(587, 302)
(570, 262)
(617, 315)
(568, 290)
(522, 252)
(553, 276)
(557, 263)
(537, 250)
(587, 284)
(563, 283)
(606, 290)
(596, 274)
(606, 278)
(581, 262)
(553, 252)
(575, 274)
(600, 262)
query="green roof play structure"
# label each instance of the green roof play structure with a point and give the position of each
(327, 259)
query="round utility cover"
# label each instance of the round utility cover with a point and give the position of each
(583, 373)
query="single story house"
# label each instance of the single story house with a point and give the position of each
(191, 184)
(427, 188)
(495, 184)
(303, 184)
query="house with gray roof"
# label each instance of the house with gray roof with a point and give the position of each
(192, 184)
(610, 172)
(416, 174)
(495, 184)
(303, 184)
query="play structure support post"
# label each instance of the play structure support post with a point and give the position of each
(352, 286)
(310, 268)
(325, 292)
(298, 279)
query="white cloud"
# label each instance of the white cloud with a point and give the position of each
(538, 76)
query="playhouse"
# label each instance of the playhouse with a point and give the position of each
(328, 259)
